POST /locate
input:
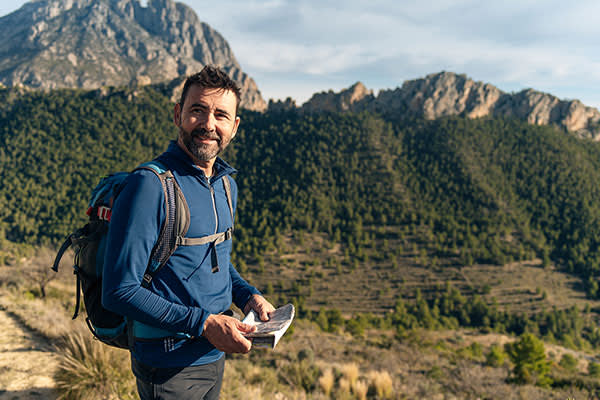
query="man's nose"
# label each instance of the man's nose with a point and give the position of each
(209, 122)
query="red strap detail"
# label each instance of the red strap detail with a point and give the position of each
(104, 213)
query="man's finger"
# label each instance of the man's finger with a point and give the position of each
(243, 344)
(247, 345)
(264, 315)
(245, 328)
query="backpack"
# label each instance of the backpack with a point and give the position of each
(89, 244)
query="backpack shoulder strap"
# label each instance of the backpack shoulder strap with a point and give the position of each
(227, 187)
(177, 219)
(155, 166)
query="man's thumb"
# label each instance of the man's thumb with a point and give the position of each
(245, 328)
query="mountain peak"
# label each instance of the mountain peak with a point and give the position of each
(345, 100)
(93, 43)
(448, 93)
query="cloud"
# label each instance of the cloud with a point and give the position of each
(544, 45)
(299, 47)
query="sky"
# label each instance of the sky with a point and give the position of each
(295, 48)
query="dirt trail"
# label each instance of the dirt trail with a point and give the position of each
(27, 362)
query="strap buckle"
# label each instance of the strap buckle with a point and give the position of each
(104, 213)
(147, 278)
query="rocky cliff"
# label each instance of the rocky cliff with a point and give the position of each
(346, 100)
(92, 43)
(447, 93)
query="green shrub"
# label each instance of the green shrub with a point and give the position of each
(568, 362)
(496, 356)
(300, 374)
(357, 325)
(322, 320)
(594, 369)
(306, 354)
(473, 351)
(435, 373)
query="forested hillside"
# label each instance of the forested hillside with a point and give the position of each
(431, 244)
(459, 191)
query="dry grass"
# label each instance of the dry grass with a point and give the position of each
(45, 316)
(331, 366)
(527, 287)
(344, 389)
(360, 389)
(382, 383)
(326, 381)
(244, 379)
(88, 369)
(327, 277)
(350, 372)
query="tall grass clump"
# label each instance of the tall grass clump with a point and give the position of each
(343, 391)
(360, 389)
(350, 371)
(326, 381)
(382, 383)
(89, 369)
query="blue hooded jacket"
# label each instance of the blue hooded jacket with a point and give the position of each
(185, 291)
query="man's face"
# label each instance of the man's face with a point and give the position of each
(207, 122)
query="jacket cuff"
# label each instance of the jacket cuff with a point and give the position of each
(199, 328)
(240, 301)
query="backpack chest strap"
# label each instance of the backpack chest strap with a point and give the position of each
(215, 239)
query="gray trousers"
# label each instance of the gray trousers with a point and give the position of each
(199, 382)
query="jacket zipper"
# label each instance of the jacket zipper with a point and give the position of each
(212, 196)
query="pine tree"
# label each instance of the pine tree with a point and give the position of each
(529, 359)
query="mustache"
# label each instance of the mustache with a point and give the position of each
(203, 133)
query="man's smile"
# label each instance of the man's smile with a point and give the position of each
(205, 137)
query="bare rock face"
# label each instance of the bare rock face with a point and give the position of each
(447, 93)
(543, 109)
(347, 100)
(93, 43)
(281, 106)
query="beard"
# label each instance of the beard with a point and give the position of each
(202, 151)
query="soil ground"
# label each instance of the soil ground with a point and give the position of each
(27, 362)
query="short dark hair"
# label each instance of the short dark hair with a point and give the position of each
(211, 77)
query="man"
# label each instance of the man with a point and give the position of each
(181, 333)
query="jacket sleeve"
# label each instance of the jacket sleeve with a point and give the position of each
(241, 290)
(136, 220)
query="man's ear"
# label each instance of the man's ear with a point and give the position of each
(235, 127)
(177, 115)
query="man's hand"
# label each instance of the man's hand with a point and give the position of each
(226, 333)
(260, 305)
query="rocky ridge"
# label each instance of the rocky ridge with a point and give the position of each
(447, 93)
(93, 43)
